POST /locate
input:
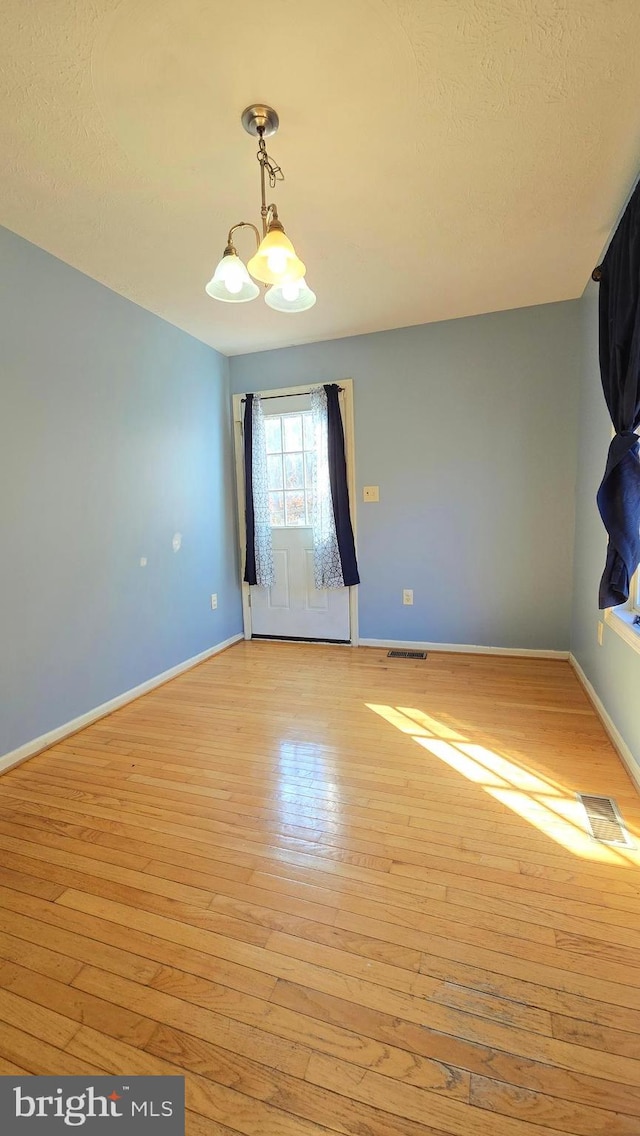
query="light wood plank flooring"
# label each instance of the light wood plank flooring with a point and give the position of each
(338, 893)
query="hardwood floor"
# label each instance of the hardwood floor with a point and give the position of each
(339, 893)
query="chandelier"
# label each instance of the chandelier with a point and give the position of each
(275, 262)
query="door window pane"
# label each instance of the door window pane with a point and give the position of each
(274, 471)
(276, 508)
(290, 464)
(293, 475)
(292, 424)
(294, 505)
(273, 434)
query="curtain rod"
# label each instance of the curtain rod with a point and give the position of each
(297, 394)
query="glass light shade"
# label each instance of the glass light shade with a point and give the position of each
(276, 259)
(291, 296)
(231, 282)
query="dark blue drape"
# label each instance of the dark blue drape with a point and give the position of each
(339, 490)
(619, 494)
(249, 516)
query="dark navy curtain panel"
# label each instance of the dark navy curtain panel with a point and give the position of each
(250, 561)
(619, 494)
(339, 489)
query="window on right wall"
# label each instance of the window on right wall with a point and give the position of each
(623, 619)
(634, 587)
(634, 594)
(634, 591)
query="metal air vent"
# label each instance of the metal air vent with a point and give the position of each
(396, 654)
(604, 820)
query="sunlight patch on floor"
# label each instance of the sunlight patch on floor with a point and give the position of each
(545, 804)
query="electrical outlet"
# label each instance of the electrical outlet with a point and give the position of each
(371, 493)
(600, 631)
(143, 562)
(214, 601)
(407, 596)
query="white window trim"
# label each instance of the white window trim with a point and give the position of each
(620, 620)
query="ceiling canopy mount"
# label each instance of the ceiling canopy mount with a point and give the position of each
(260, 120)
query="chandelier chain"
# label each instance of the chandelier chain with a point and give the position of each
(274, 172)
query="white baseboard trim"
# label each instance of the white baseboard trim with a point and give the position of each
(463, 648)
(628, 760)
(29, 749)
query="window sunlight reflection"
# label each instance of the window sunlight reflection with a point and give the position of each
(430, 724)
(567, 831)
(398, 719)
(460, 762)
(544, 803)
(518, 776)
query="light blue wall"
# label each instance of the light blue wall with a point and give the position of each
(613, 668)
(469, 429)
(114, 435)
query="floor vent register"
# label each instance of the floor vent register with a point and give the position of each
(604, 820)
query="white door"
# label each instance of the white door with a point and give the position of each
(293, 607)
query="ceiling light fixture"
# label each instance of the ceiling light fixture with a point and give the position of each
(275, 261)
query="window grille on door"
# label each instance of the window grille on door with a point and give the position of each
(290, 464)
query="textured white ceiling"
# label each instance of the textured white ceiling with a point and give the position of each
(443, 157)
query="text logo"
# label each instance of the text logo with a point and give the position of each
(112, 1106)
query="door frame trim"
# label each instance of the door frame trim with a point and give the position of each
(346, 398)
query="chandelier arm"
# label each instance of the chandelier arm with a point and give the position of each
(242, 225)
(272, 219)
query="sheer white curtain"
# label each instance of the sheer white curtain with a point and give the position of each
(263, 545)
(326, 554)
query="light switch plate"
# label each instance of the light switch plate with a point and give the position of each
(371, 493)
